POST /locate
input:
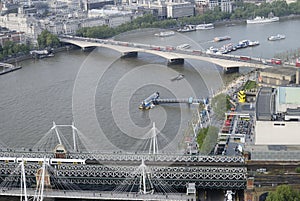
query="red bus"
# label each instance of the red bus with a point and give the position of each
(298, 62)
(276, 61)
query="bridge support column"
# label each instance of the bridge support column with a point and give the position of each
(175, 61)
(129, 54)
(231, 70)
(86, 49)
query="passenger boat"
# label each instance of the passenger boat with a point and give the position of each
(178, 77)
(243, 44)
(165, 33)
(148, 102)
(187, 28)
(205, 26)
(260, 20)
(221, 38)
(212, 50)
(253, 43)
(276, 37)
(183, 46)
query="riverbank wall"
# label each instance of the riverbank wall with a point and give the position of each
(14, 60)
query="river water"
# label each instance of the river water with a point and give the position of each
(101, 92)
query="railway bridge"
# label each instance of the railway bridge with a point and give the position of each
(171, 176)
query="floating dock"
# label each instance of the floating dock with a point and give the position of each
(7, 68)
(154, 99)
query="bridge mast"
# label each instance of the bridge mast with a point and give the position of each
(144, 176)
(23, 179)
(41, 184)
(56, 131)
(74, 137)
(153, 149)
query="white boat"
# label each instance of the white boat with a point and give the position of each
(187, 28)
(260, 20)
(253, 43)
(165, 33)
(178, 77)
(221, 38)
(205, 26)
(276, 37)
(183, 46)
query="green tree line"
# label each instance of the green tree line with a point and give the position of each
(241, 11)
(284, 193)
(46, 39)
(10, 49)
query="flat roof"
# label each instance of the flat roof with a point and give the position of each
(280, 70)
(287, 97)
(277, 133)
(264, 104)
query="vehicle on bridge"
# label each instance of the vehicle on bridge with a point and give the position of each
(298, 62)
(245, 58)
(276, 61)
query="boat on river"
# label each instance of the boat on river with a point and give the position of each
(205, 26)
(178, 77)
(148, 102)
(260, 20)
(253, 43)
(183, 46)
(221, 38)
(187, 28)
(276, 37)
(165, 33)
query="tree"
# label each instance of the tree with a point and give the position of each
(284, 193)
(46, 39)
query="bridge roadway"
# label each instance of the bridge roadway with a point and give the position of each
(99, 195)
(160, 158)
(172, 54)
(220, 172)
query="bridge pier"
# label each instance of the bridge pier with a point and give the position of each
(229, 70)
(85, 49)
(129, 54)
(175, 61)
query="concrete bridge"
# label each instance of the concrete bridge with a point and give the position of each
(172, 54)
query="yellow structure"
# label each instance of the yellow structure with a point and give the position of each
(242, 96)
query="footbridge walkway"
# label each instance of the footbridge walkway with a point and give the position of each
(172, 54)
(99, 195)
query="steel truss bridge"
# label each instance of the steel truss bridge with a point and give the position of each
(120, 173)
(220, 172)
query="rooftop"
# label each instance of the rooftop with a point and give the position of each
(287, 98)
(280, 71)
(263, 104)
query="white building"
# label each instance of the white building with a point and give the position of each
(21, 23)
(176, 10)
(224, 5)
(278, 116)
